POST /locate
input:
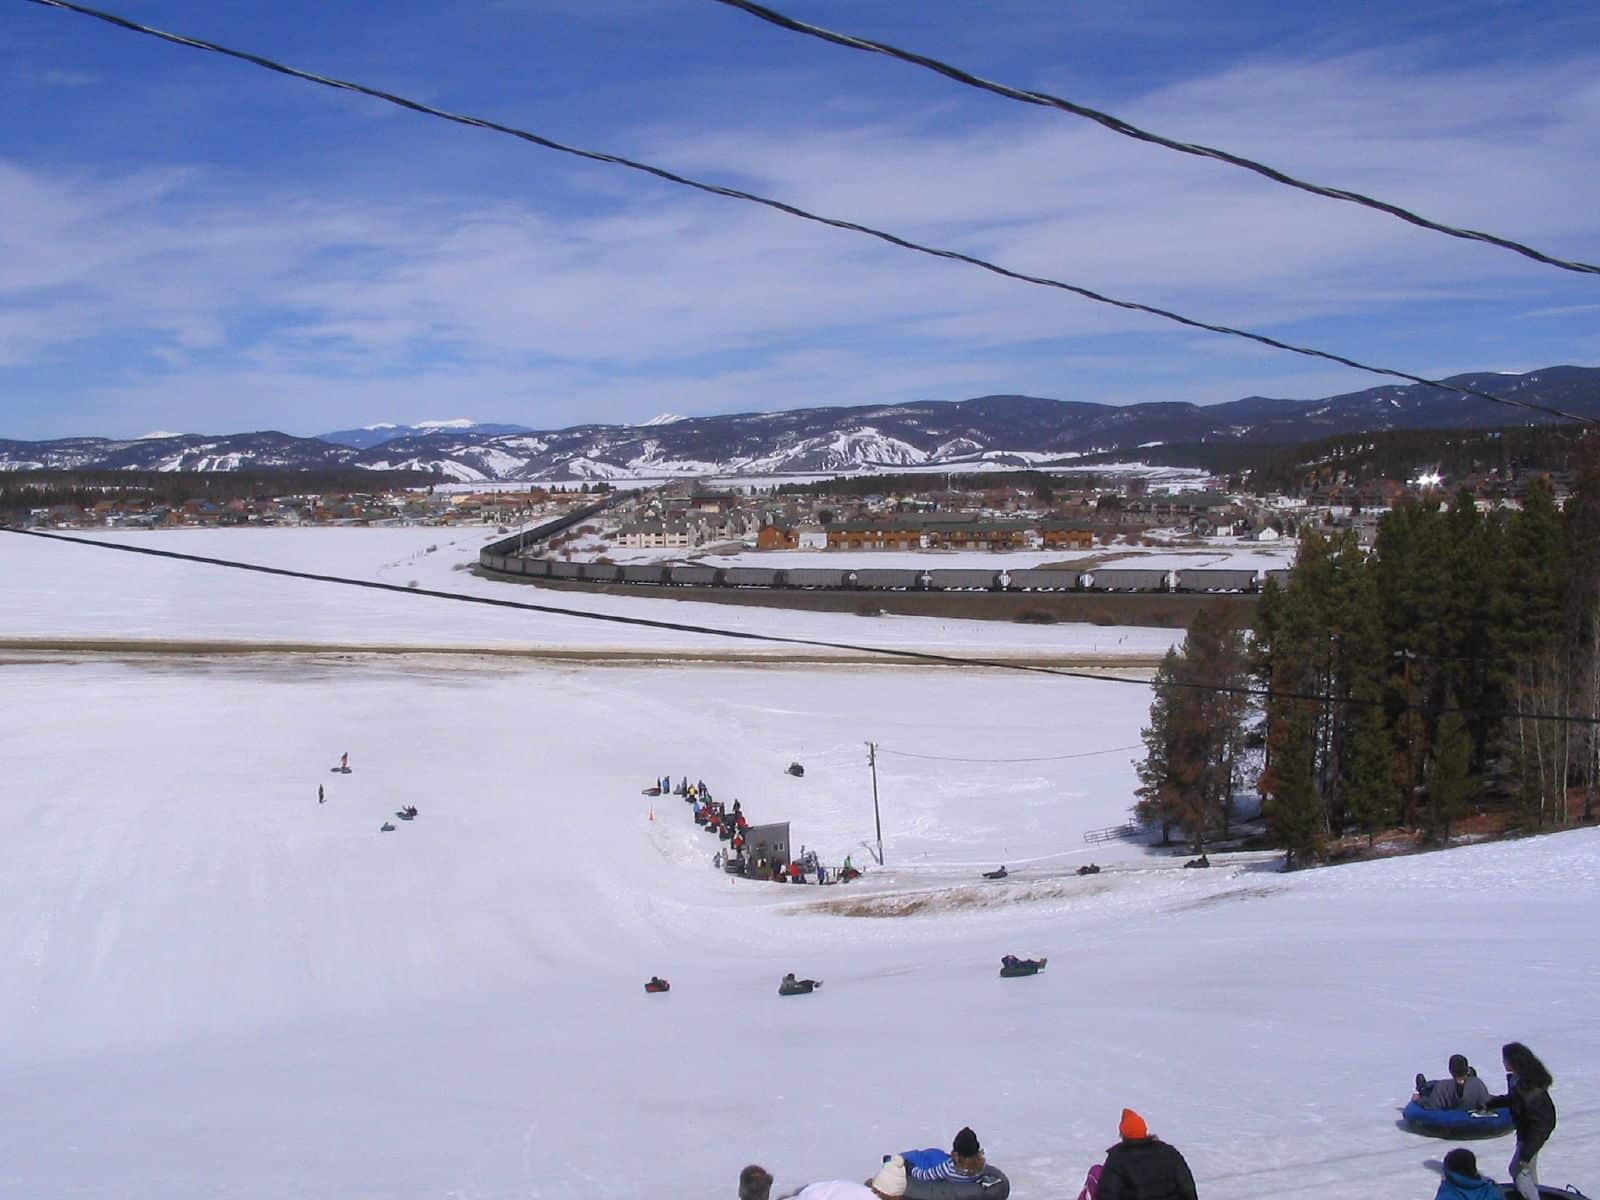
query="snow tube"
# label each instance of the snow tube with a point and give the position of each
(799, 987)
(989, 1184)
(1455, 1122)
(1026, 966)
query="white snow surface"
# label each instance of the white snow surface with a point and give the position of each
(54, 589)
(218, 987)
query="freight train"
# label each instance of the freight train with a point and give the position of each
(1188, 580)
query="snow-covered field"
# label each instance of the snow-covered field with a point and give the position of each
(60, 590)
(217, 987)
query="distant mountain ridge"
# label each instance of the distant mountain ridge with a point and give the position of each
(1017, 431)
(376, 435)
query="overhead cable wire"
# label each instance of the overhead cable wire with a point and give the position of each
(954, 660)
(792, 210)
(997, 761)
(1118, 125)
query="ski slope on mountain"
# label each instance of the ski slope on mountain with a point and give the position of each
(220, 987)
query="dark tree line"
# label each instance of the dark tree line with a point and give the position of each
(1406, 676)
(1360, 457)
(21, 491)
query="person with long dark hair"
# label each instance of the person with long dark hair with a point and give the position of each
(1532, 1112)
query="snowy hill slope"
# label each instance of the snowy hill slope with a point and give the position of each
(221, 987)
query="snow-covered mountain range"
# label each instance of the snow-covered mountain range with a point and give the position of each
(1010, 430)
(376, 435)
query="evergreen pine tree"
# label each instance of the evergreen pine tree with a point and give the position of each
(1450, 782)
(1289, 790)
(1153, 771)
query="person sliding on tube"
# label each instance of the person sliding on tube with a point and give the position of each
(964, 1162)
(1462, 1090)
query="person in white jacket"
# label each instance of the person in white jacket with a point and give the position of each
(888, 1184)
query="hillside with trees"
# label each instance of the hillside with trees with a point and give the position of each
(1453, 668)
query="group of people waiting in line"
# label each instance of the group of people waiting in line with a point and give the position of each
(731, 825)
(1533, 1116)
(1140, 1166)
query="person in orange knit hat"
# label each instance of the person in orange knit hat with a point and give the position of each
(1143, 1167)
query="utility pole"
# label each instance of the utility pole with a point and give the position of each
(877, 820)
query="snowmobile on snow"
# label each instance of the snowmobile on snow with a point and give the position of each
(998, 874)
(1089, 869)
(386, 827)
(657, 984)
(1202, 861)
(408, 813)
(796, 770)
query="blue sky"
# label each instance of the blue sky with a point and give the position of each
(188, 243)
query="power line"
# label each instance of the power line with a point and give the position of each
(1045, 758)
(801, 213)
(772, 638)
(1118, 125)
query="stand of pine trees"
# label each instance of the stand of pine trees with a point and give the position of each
(1417, 657)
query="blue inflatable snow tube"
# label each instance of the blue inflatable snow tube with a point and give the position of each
(1456, 1123)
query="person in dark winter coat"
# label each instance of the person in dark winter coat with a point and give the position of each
(1142, 1167)
(1460, 1179)
(1532, 1112)
(1462, 1090)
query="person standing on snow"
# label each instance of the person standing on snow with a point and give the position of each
(1532, 1112)
(1143, 1167)
(319, 793)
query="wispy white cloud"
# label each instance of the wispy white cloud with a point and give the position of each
(37, 77)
